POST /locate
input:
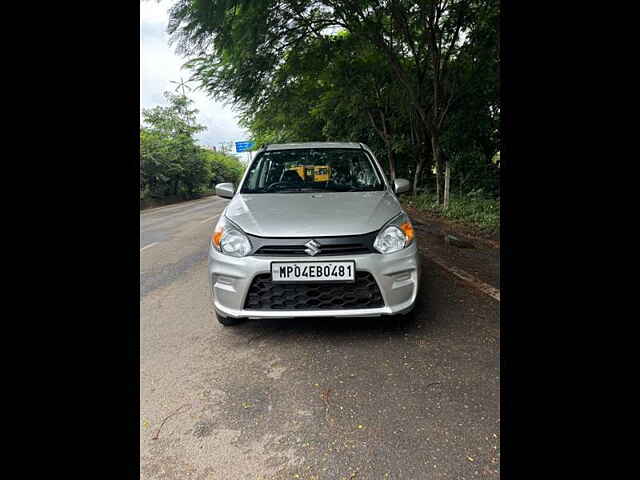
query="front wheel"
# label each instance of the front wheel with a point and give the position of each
(228, 321)
(411, 315)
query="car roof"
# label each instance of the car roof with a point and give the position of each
(292, 146)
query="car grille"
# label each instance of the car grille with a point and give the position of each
(266, 295)
(295, 247)
(299, 250)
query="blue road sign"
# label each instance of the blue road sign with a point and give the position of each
(244, 146)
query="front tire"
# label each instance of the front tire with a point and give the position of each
(412, 314)
(228, 321)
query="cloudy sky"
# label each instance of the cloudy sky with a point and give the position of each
(159, 65)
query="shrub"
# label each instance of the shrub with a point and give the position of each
(474, 208)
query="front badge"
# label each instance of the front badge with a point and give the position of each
(313, 247)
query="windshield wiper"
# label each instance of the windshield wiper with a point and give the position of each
(361, 189)
(292, 189)
(299, 190)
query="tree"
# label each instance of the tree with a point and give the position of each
(169, 156)
(222, 168)
(245, 51)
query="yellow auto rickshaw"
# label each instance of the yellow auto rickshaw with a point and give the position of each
(313, 173)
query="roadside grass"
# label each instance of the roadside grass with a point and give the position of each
(472, 209)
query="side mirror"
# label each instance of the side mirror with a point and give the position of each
(401, 185)
(225, 190)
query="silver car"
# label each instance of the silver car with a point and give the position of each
(313, 230)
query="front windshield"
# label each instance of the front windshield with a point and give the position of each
(312, 170)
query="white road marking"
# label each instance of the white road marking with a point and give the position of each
(147, 246)
(209, 219)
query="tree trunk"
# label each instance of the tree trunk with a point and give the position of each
(392, 163)
(423, 162)
(425, 184)
(428, 162)
(386, 138)
(438, 183)
(415, 143)
(417, 175)
(435, 147)
(387, 141)
(447, 182)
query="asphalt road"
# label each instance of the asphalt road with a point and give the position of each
(310, 399)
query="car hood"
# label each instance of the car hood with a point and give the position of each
(312, 214)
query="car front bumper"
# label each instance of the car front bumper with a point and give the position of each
(397, 275)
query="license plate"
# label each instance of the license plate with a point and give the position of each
(313, 271)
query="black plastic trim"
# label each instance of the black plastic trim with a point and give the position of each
(264, 294)
(295, 246)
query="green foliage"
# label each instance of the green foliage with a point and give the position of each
(473, 208)
(222, 168)
(170, 161)
(416, 81)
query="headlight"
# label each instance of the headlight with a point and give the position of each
(229, 239)
(395, 235)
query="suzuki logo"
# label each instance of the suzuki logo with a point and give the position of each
(313, 248)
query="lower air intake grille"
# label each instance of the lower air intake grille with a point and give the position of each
(266, 295)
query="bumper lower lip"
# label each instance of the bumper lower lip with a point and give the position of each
(397, 275)
(353, 313)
